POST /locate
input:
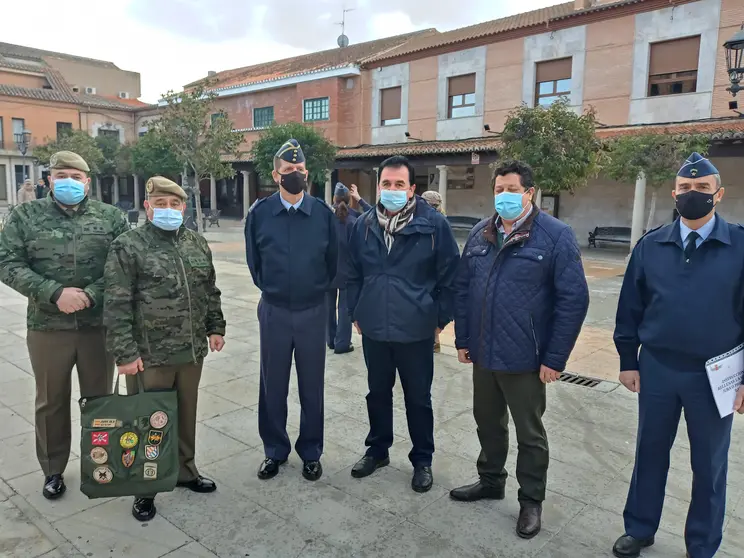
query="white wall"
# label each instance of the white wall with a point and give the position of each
(384, 78)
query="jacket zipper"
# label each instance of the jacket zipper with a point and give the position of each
(74, 263)
(534, 337)
(144, 328)
(188, 295)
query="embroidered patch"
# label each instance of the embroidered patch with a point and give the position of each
(99, 455)
(128, 440)
(127, 458)
(99, 438)
(158, 419)
(106, 423)
(155, 437)
(143, 424)
(152, 452)
(102, 475)
(151, 471)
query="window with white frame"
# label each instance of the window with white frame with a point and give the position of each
(390, 106)
(461, 91)
(673, 66)
(552, 81)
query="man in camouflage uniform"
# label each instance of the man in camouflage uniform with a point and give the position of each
(53, 251)
(163, 313)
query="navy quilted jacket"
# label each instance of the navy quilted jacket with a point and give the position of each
(404, 295)
(522, 305)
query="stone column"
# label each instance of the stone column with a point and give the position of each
(9, 186)
(375, 182)
(115, 193)
(136, 192)
(246, 192)
(538, 198)
(212, 192)
(328, 189)
(99, 191)
(443, 184)
(639, 210)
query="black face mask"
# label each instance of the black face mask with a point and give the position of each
(694, 205)
(294, 182)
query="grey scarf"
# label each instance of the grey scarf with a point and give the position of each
(394, 224)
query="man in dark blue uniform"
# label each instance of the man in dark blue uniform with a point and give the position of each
(292, 252)
(681, 302)
(403, 259)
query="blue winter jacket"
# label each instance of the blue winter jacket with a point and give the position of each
(404, 295)
(522, 305)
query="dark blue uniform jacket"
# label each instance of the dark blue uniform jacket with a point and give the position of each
(405, 295)
(292, 257)
(684, 313)
(521, 305)
(343, 232)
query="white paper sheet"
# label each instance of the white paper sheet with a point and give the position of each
(725, 374)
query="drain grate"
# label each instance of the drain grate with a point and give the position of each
(577, 380)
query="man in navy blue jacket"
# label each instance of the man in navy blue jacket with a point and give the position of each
(682, 303)
(520, 301)
(403, 259)
(292, 252)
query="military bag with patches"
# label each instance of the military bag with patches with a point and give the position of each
(129, 443)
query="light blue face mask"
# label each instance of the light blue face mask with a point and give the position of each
(393, 200)
(68, 191)
(508, 205)
(166, 218)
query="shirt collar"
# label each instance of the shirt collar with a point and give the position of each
(304, 205)
(287, 205)
(517, 224)
(703, 231)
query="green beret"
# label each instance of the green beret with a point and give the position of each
(161, 186)
(68, 160)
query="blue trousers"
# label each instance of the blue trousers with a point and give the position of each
(415, 364)
(339, 330)
(284, 333)
(664, 394)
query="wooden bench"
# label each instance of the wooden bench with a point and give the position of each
(462, 223)
(211, 216)
(619, 235)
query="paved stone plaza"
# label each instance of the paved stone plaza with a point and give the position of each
(591, 433)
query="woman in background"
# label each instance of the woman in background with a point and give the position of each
(27, 192)
(434, 199)
(339, 330)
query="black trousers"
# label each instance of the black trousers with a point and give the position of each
(495, 394)
(415, 365)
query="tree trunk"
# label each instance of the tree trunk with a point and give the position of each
(651, 211)
(197, 200)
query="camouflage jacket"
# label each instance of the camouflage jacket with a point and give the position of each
(161, 299)
(44, 248)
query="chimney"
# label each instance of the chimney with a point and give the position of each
(211, 73)
(583, 4)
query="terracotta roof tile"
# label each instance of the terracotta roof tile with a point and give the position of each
(38, 54)
(314, 61)
(420, 148)
(720, 129)
(541, 16)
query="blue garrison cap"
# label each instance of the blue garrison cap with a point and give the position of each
(340, 190)
(291, 152)
(696, 166)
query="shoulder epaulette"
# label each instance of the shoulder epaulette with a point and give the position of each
(257, 203)
(650, 231)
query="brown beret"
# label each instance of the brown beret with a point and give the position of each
(68, 160)
(161, 186)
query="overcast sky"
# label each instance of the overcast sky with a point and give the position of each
(173, 42)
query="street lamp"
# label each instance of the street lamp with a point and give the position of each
(735, 60)
(22, 141)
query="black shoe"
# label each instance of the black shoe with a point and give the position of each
(199, 484)
(312, 470)
(368, 465)
(477, 491)
(350, 349)
(530, 520)
(143, 509)
(54, 487)
(422, 479)
(628, 547)
(331, 346)
(269, 468)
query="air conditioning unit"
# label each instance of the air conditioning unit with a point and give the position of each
(90, 90)
(123, 95)
(75, 89)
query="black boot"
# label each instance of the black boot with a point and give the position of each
(54, 487)
(422, 479)
(143, 509)
(629, 547)
(530, 520)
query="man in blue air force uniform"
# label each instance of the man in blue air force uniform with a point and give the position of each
(681, 302)
(291, 248)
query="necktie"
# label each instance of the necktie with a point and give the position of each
(691, 244)
(292, 211)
